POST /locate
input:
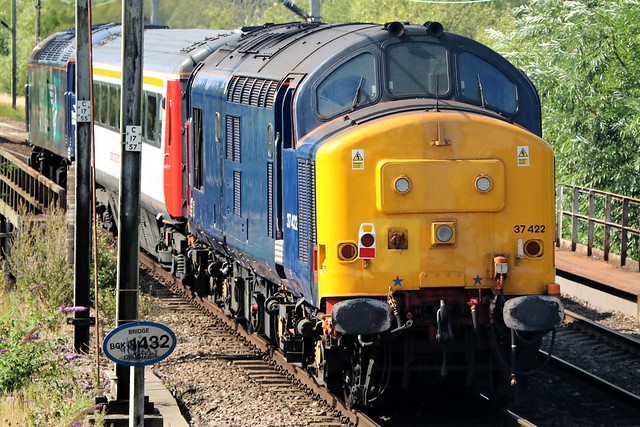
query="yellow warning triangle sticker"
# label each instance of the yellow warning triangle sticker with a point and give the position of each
(357, 157)
(523, 153)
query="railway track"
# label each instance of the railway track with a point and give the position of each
(592, 380)
(601, 355)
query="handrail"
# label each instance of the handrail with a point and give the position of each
(603, 211)
(25, 191)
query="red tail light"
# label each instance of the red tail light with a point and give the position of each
(367, 241)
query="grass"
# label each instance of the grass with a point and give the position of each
(7, 111)
(42, 382)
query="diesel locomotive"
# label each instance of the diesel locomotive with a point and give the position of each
(375, 199)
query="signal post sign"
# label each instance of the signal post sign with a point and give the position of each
(139, 343)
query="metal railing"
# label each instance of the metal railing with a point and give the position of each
(25, 191)
(599, 220)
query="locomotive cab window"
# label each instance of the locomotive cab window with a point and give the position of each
(415, 69)
(348, 87)
(483, 84)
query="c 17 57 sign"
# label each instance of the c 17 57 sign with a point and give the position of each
(139, 343)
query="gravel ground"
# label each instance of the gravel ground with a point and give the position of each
(214, 391)
(612, 319)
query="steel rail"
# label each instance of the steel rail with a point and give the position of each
(591, 378)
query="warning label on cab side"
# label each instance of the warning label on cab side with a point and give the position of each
(523, 155)
(357, 159)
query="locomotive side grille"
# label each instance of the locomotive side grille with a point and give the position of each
(269, 94)
(232, 130)
(306, 208)
(236, 192)
(270, 200)
(256, 88)
(246, 91)
(252, 91)
(58, 50)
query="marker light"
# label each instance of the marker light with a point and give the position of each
(483, 183)
(402, 184)
(533, 248)
(367, 241)
(347, 251)
(443, 233)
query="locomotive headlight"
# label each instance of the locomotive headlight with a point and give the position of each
(483, 183)
(402, 184)
(443, 233)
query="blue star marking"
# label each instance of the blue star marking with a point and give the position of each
(397, 281)
(477, 280)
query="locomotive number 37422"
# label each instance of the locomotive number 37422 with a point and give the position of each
(524, 228)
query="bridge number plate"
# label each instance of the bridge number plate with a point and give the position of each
(139, 343)
(133, 138)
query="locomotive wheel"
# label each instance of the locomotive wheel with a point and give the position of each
(353, 381)
(331, 378)
(256, 314)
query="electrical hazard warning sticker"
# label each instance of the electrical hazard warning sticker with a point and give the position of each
(357, 159)
(523, 155)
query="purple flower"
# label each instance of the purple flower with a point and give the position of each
(9, 399)
(3, 350)
(77, 424)
(72, 309)
(71, 357)
(31, 337)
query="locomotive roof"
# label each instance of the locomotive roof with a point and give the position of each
(278, 50)
(273, 52)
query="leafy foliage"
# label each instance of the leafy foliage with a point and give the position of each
(582, 56)
(39, 264)
(22, 355)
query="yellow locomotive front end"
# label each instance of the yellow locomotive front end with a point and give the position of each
(451, 199)
(439, 225)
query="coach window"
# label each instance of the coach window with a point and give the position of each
(114, 106)
(151, 119)
(416, 69)
(97, 89)
(483, 84)
(348, 87)
(104, 104)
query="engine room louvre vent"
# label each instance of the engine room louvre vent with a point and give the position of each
(306, 209)
(252, 91)
(232, 131)
(270, 232)
(237, 185)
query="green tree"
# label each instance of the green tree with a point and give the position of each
(582, 56)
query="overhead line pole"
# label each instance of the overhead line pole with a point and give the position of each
(130, 381)
(82, 242)
(14, 55)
